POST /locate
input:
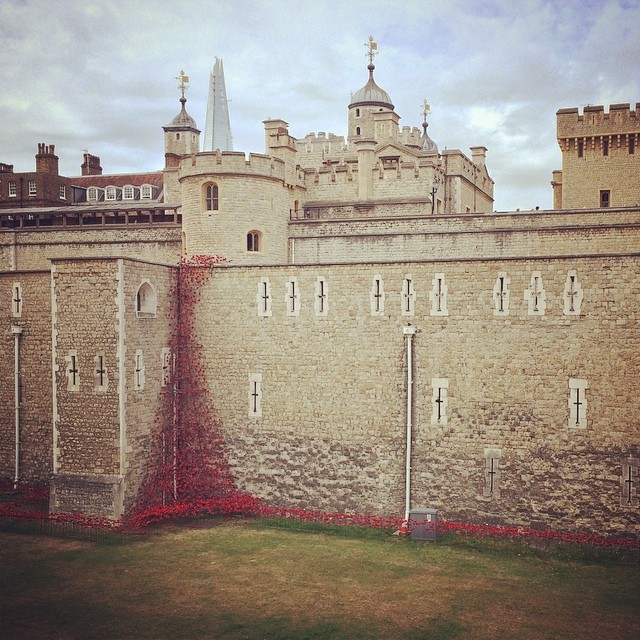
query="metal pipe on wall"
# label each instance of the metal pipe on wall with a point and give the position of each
(408, 331)
(16, 331)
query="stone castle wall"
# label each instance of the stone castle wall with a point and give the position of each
(26, 249)
(330, 430)
(34, 319)
(87, 420)
(461, 237)
(147, 334)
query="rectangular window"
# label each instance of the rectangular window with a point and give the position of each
(263, 298)
(13, 190)
(605, 198)
(501, 295)
(73, 371)
(438, 296)
(138, 372)
(439, 401)
(376, 296)
(408, 296)
(100, 377)
(605, 146)
(629, 481)
(580, 148)
(62, 191)
(492, 472)
(292, 298)
(536, 296)
(32, 188)
(632, 145)
(321, 304)
(572, 295)
(16, 300)
(577, 403)
(255, 395)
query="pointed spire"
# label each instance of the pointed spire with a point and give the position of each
(217, 129)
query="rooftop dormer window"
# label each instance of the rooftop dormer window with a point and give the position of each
(145, 192)
(127, 192)
(110, 193)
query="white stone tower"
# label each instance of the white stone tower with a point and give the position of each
(217, 128)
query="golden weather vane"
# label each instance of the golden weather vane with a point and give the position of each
(372, 49)
(426, 108)
(184, 81)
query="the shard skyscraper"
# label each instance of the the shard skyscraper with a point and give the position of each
(217, 130)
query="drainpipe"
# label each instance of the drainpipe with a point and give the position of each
(16, 331)
(408, 331)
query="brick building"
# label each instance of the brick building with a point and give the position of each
(350, 257)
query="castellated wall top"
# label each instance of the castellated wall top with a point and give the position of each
(595, 121)
(233, 162)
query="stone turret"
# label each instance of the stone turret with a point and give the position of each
(181, 138)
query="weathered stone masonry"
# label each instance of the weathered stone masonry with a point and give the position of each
(331, 431)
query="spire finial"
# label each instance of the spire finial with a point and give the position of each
(426, 108)
(184, 84)
(372, 49)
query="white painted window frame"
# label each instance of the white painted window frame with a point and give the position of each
(577, 394)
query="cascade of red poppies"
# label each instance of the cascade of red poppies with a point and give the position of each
(187, 463)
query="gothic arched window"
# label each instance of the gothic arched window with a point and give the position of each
(211, 197)
(253, 241)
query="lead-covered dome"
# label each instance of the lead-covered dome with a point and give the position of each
(371, 94)
(183, 120)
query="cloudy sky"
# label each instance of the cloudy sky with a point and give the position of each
(100, 74)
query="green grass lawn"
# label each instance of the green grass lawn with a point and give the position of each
(240, 580)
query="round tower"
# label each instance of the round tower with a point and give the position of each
(236, 207)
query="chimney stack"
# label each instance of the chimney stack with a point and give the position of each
(91, 165)
(46, 159)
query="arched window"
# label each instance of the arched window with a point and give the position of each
(92, 193)
(146, 301)
(211, 197)
(253, 241)
(357, 131)
(357, 113)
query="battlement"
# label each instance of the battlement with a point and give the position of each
(232, 162)
(321, 143)
(598, 121)
(410, 136)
